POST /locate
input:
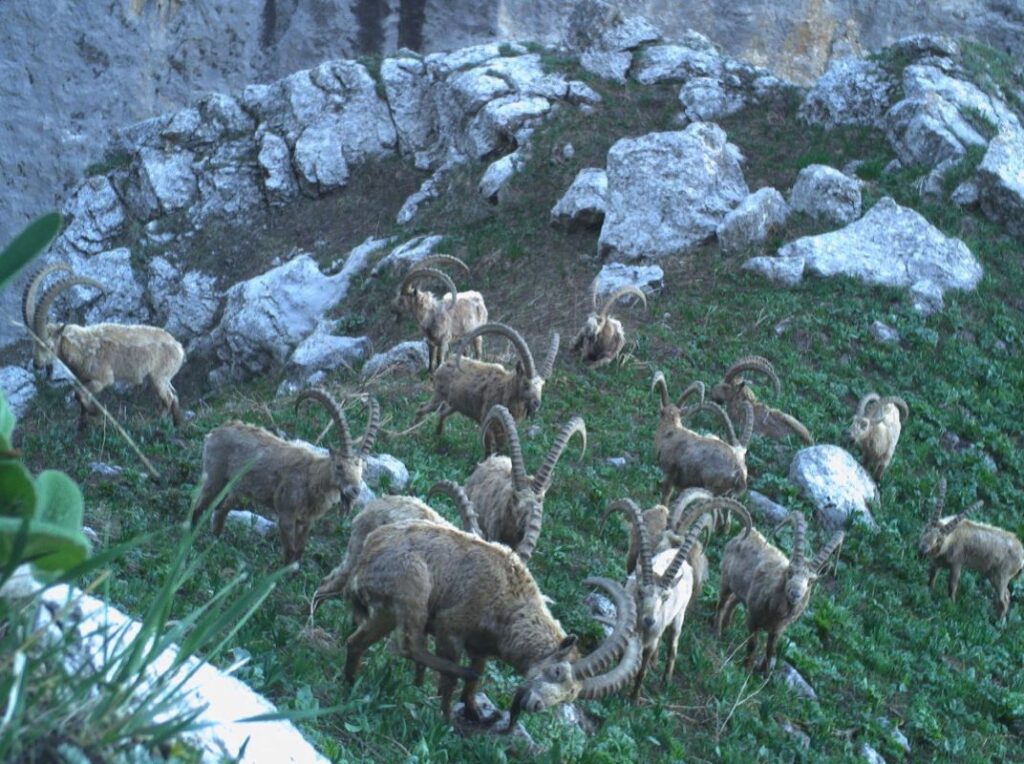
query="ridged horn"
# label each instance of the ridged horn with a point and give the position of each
(658, 383)
(863, 405)
(686, 497)
(325, 399)
(797, 559)
(710, 504)
(952, 524)
(826, 551)
(421, 274)
(748, 423)
(667, 579)
(755, 363)
(940, 502)
(549, 359)
(629, 508)
(430, 260)
(614, 680)
(28, 296)
(502, 416)
(542, 480)
(899, 403)
(618, 294)
(372, 426)
(720, 412)
(589, 666)
(46, 301)
(509, 333)
(467, 512)
(694, 387)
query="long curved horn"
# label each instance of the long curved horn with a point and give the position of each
(720, 412)
(505, 331)
(28, 296)
(467, 512)
(608, 651)
(324, 398)
(618, 294)
(940, 502)
(694, 387)
(502, 416)
(686, 497)
(659, 384)
(542, 480)
(629, 508)
(710, 504)
(668, 578)
(43, 306)
(826, 551)
(754, 363)
(863, 405)
(796, 559)
(421, 274)
(431, 260)
(614, 680)
(372, 426)
(898, 403)
(549, 359)
(952, 524)
(748, 423)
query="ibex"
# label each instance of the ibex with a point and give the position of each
(876, 429)
(601, 338)
(769, 422)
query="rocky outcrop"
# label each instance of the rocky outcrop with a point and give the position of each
(583, 204)
(1000, 187)
(19, 388)
(851, 92)
(827, 194)
(404, 358)
(649, 278)
(759, 216)
(837, 486)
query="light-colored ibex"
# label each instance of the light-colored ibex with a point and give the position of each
(287, 476)
(774, 589)
(476, 596)
(101, 354)
(768, 421)
(956, 543)
(471, 387)
(876, 429)
(441, 320)
(601, 338)
(689, 459)
(509, 502)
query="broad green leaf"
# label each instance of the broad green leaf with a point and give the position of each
(6, 422)
(29, 243)
(17, 496)
(51, 547)
(59, 500)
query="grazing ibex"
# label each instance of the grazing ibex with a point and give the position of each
(509, 502)
(768, 421)
(441, 320)
(476, 596)
(774, 589)
(668, 579)
(101, 354)
(289, 477)
(956, 543)
(876, 429)
(471, 387)
(601, 338)
(689, 459)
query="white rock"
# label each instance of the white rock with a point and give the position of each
(649, 278)
(883, 333)
(105, 470)
(824, 192)
(320, 158)
(165, 182)
(610, 64)
(380, 467)
(498, 174)
(966, 194)
(95, 215)
(275, 161)
(410, 97)
(870, 755)
(759, 216)
(1001, 180)
(496, 124)
(675, 62)
(766, 508)
(852, 91)
(19, 388)
(404, 358)
(787, 271)
(707, 99)
(431, 188)
(124, 301)
(323, 351)
(406, 255)
(836, 484)
(616, 461)
(262, 525)
(185, 305)
(795, 681)
(926, 297)
(583, 204)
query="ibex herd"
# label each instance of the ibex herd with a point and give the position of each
(407, 569)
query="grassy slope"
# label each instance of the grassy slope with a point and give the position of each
(874, 642)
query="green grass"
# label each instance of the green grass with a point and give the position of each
(875, 642)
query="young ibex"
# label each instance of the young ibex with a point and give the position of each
(471, 387)
(956, 543)
(289, 477)
(601, 338)
(668, 579)
(510, 503)
(101, 354)
(876, 429)
(441, 320)
(775, 590)
(689, 459)
(768, 421)
(473, 595)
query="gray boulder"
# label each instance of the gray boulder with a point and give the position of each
(667, 192)
(322, 351)
(610, 64)
(795, 681)
(678, 62)
(768, 510)
(708, 99)
(274, 159)
(827, 194)
(852, 91)
(431, 188)
(19, 388)
(227, 182)
(410, 97)
(883, 333)
(160, 182)
(124, 301)
(320, 158)
(379, 468)
(926, 297)
(405, 255)
(95, 215)
(1001, 180)
(612, 276)
(761, 215)
(498, 174)
(836, 484)
(404, 358)
(605, 38)
(184, 304)
(501, 122)
(583, 204)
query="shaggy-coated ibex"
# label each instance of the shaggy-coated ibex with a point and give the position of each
(479, 597)
(774, 589)
(441, 320)
(509, 502)
(289, 477)
(768, 421)
(876, 429)
(601, 338)
(471, 387)
(689, 459)
(956, 543)
(101, 354)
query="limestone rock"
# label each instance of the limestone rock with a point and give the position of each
(1001, 180)
(708, 99)
(320, 158)
(379, 468)
(406, 255)
(853, 91)
(926, 297)
(431, 189)
(795, 681)
(667, 192)
(824, 192)
(883, 333)
(838, 486)
(19, 388)
(278, 177)
(404, 358)
(161, 182)
(613, 276)
(761, 215)
(766, 508)
(183, 304)
(322, 351)
(677, 62)
(410, 98)
(583, 204)
(124, 301)
(95, 215)
(246, 518)
(610, 64)
(498, 174)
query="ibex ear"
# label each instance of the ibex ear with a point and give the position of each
(565, 647)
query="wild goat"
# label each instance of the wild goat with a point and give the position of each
(689, 459)
(441, 320)
(768, 421)
(101, 354)
(775, 590)
(876, 429)
(601, 338)
(956, 543)
(471, 387)
(477, 596)
(289, 477)
(509, 502)
(668, 579)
